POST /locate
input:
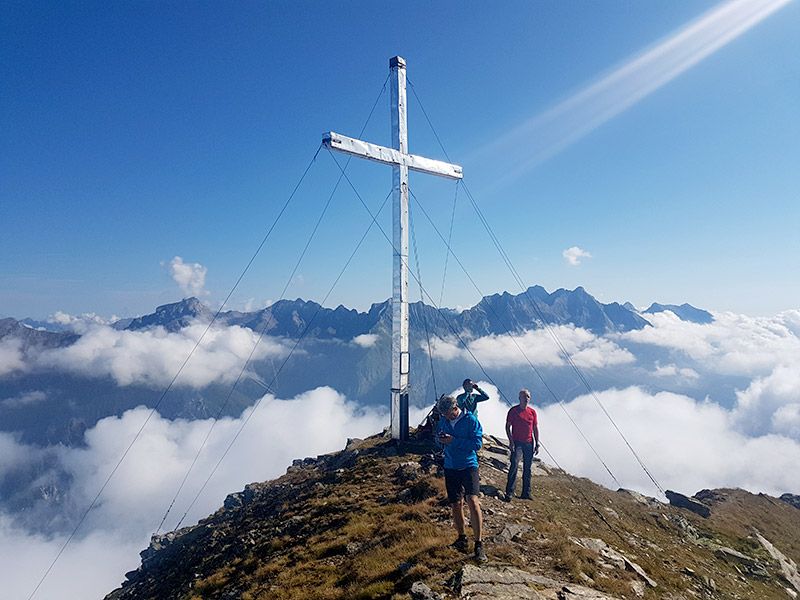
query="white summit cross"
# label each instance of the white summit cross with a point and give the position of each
(401, 161)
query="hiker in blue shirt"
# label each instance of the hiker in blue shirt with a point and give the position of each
(461, 435)
(468, 401)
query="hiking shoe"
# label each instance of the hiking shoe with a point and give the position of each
(525, 497)
(506, 497)
(480, 555)
(460, 544)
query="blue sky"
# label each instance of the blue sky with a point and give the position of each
(134, 133)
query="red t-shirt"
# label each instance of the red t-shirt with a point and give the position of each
(522, 422)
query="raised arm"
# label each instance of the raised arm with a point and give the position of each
(482, 396)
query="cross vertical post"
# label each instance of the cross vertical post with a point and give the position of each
(400, 356)
(401, 161)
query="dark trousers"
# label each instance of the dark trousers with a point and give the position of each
(525, 449)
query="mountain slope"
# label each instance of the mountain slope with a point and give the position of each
(34, 338)
(685, 312)
(369, 522)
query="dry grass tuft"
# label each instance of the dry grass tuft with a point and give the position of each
(215, 581)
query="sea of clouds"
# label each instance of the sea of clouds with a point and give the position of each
(133, 504)
(688, 443)
(150, 357)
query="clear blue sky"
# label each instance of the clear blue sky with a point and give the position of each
(136, 132)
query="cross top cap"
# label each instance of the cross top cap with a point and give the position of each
(397, 61)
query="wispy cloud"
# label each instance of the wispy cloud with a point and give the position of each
(24, 399)
(365, 340)
(553, 130)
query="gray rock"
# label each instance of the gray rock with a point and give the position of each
(502, 451)
(511, 532)
(571, 591)
(792, 499)
(681, 501)
(751, 565)
(345, 460)
(502, 442)
(638, 588)
(787, 565)
(499, 464)
(353, 443)
(420, 591)
(640, 498)
(709, 583)
(407, 472)
(613, 557)
(508, 583)
(239, 499)
(686, 528)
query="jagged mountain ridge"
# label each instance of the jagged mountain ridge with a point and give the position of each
(685, 312)
(371, 522)
(30, 337)
(172, 317)
(495, 314)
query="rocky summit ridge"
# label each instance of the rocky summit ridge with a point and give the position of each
(371, 521)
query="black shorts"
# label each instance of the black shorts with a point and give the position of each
(461, 482)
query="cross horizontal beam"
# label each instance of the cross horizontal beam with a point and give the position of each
(390, 156)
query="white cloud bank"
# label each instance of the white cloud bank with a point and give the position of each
(79, 323)
(574, 255)
(764, 349)
(732, 344)
(130, 509)
(501, 351)
(190, 277)
(686, 444)
(150, 357)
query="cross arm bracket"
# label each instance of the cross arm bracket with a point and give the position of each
(390, 156)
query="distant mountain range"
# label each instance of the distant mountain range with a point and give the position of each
(496, 314)
(73, 402)
(493, 315)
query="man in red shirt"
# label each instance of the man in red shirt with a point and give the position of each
(522, 429)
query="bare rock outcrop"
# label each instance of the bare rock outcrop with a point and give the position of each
(681, 501)
(509, 583)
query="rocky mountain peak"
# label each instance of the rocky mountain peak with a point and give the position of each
(371, 521)
(685, 312)
(173, 316)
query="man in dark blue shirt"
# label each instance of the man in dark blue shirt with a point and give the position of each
(468, 401)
